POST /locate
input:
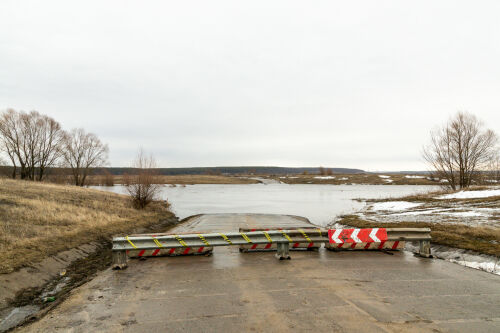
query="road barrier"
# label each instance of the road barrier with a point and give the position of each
(336, 239)
(367, 239)
(166, 252)
(273, 246)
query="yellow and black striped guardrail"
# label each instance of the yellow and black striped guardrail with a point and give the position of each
(203, 243)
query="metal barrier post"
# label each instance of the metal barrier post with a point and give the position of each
(282, 251)
(119, 259)
(425, 249)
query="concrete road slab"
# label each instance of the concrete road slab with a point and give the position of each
(362, 291)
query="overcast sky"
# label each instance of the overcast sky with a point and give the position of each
(288, 83)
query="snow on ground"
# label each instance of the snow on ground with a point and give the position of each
(470, 194)
(462, 214)
(383, 176)
(416, 212)
(408, 176)
(467, 213)
(343, 178)
(395, 205)
(324, 177)
(462, 257)
(388, 180)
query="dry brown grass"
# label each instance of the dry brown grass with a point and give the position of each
(186, 180)
(480, 239)
(38, 219)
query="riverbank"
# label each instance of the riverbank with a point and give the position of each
(360, 179)
(333, 179)
(177, 180)
(467, 220)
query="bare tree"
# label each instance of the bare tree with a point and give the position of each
(31, 139)
(493, 173)
(6, 147)
(144, 186)
(13, 140)
(50, 143)
(82, 152)
(30, 132)
(460, 149)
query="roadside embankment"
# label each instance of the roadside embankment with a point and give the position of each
(38, 220)
(54, 237)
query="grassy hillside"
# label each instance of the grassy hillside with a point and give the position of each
(38, 219)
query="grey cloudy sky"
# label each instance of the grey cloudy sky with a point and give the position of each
(288, 83)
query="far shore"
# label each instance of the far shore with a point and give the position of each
(331, 179)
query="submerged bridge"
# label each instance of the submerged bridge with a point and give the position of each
(321, 291)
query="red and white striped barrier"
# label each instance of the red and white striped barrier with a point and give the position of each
(182, 251)
(168, 252)
(361, 239)
(272, 246)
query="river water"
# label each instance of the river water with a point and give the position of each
(321, 204)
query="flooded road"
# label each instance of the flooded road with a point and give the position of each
(350, 291)
(319, 203)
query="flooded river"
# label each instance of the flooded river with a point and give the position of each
(319, 203)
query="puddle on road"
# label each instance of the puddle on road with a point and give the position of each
(11, 317)
(17, 316)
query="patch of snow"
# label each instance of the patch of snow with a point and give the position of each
(462, 214)
(407, 176)
(324, 177)
(490, 267)
(388, 180)
(443, 181)
(470, 194)
(395, 205)
(417, 212)
(343, 178)
(492, 181)
(462, 257)
(383, 176)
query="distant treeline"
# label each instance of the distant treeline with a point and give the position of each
(247, 170)
(231, 170)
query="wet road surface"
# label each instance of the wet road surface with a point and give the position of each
(321, 291)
